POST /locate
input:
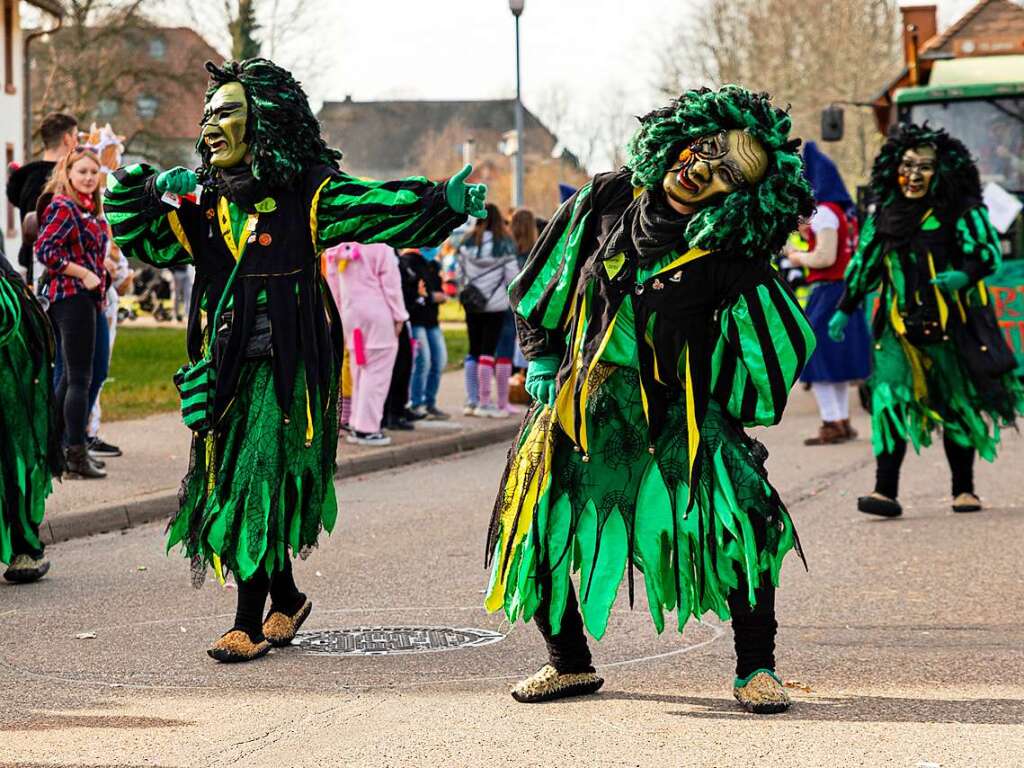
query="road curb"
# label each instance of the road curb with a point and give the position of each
(162, 505)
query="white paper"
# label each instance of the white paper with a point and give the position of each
(1003, 207)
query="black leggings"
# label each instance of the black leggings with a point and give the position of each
(75, 318)
(484, 330)
(252, 597)
(961, 466)
(753, 632)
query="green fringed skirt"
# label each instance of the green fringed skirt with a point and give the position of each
(27, 437)
(264, 485)
(916, 390)
(624, 507)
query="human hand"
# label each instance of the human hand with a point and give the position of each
(178, 180)
(837, 325)
(541, 384)
(466, 198)
(421, 288)
(90, 280)
(399, 325)
(950, 281)
(439, 297)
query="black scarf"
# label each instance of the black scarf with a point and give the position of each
(896, 223)
(648, 229)
(240, 186)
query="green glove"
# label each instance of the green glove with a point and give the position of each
(951, 281)
(178, 180)
(540, 379)
(466, 198)
(837, 325)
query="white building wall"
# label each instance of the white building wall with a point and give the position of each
(11, 111)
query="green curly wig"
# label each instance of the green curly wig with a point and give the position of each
(282, 132)
(956, 177)
(758, 218)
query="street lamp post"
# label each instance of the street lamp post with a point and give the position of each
(516, 6)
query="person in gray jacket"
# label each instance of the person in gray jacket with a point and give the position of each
(486, 266)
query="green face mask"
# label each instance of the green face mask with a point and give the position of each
(223, 126)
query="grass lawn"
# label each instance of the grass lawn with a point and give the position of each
(140, 383)
(145, 359)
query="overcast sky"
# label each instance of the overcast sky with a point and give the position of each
(465, 49)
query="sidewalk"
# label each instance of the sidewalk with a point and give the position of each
(142, 485)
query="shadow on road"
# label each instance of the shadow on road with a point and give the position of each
(852, 709)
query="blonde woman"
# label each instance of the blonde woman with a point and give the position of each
(72, 246)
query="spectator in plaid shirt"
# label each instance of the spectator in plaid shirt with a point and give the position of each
(72, 245)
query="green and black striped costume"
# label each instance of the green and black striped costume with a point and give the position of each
(643, 463)
(260, 482)
(30, 454)
(918, 388)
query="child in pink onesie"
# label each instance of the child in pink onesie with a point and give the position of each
(372, 316)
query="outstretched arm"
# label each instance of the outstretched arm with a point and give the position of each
(403, 214)
(142, 224)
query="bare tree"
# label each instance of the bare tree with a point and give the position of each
(92, 58)
(807, 55)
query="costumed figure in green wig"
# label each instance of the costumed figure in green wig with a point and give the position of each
(30, 450)
(264, 336)
(940, 360)
(657, 330)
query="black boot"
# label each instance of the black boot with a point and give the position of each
(80, 466)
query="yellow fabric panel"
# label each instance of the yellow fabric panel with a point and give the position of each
(314, 229)
(179, 232)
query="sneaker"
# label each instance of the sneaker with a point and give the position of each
(436, 414)
(491, 412)
(378, 439)
(398, 423)
(345, 427)
(469, 409)
(100, 447)
(414, 414)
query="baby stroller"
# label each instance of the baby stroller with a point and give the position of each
(153, 290)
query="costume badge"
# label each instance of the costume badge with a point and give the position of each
(657, 285)
(266, 239)
(266, 205)
(676, 276)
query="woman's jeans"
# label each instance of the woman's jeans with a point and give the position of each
(75, 320)
(100, 365)
(430, 360)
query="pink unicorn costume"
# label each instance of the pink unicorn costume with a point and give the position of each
(370, 302)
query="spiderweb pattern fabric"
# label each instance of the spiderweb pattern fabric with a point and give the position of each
(258, 493)
(623, 508)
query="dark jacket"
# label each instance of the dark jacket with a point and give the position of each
(414, 268)
(23, 189)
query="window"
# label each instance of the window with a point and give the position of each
(9, 46)
(11, 216)
(157, 48)
(146, 106)
(107, 108)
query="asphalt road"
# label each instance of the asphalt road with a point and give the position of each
(903, 642)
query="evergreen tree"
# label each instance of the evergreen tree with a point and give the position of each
(243, 27)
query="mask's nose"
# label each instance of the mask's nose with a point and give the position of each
(701, 172)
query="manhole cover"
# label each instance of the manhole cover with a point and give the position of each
(379, 641)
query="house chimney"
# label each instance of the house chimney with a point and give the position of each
(920, 24)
